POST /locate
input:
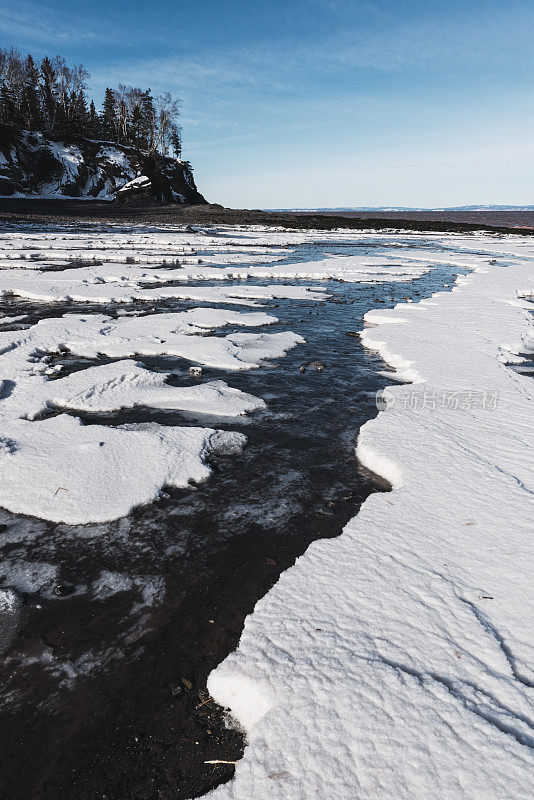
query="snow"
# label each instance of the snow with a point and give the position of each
(70, 158)
(397, 660)
(125, 384)
(28, 394)
(394, 661)
(142, 181)
(61, 470)
(117, 157)
(150, 587)
(179, 334)
(113, 283)
(9, 614)
(391, 260)
(28, 577)
(110, 583)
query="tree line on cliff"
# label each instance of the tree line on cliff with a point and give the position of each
(50, 97)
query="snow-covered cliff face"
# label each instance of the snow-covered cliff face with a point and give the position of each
(36, 167)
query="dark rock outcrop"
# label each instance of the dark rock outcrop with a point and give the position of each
(33, 166)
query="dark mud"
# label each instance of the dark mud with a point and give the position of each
(46, 211)
(479, 219)
(105, 691)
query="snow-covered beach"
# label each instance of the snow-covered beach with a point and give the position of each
(394, 660)
(397, 660)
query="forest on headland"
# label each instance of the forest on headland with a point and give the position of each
(50, 96)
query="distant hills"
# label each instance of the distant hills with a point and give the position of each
(410, 208)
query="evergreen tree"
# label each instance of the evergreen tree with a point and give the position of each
(79, 116)
(149, 121)
(51, 98)
(94, 123)
(49, 104)
(30, 106)
(176, 141)
(136, 124)
(109, 126)
(9, 114)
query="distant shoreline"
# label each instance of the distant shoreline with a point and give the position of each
(399, 209)
(505, 217)
(54, 211)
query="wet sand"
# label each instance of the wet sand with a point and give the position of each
(505, 219)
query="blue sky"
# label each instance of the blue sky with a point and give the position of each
(311, 103)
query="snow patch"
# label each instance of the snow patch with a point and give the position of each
(66, 472)
(141, 182)
(378, 462)
(397, 660)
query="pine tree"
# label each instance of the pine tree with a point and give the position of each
(136, 123)
(109, 127)
(176, 141)
(30, 106)
(51, 98)
(79, 116)
(49, 103)
(9, 115)
(94, 123)
(149, 121)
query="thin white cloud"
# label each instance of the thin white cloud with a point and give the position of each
(281, 67)
(35, 23)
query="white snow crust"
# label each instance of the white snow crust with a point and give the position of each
(125, 384)
(61, 470)
(122, 284)
(125, 264)
(397, 660)
(142, 181)
(56, 467)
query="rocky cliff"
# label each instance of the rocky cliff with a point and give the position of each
(33, 166)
